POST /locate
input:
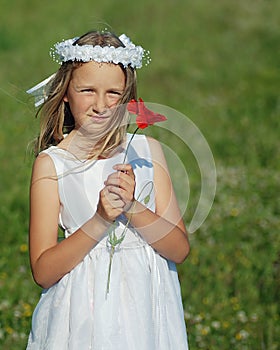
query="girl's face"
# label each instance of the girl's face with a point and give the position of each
(94, 89)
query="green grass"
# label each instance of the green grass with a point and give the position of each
(216, 62)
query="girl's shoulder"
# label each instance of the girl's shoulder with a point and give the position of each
(149, 148)
(141, 138)
(43, 166)
(152, 142)
(155, 147)
(44, 159)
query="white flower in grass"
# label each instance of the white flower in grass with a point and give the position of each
(241, 335)
(216, 324)
(242, 317)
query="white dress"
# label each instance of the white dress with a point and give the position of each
(143, 309)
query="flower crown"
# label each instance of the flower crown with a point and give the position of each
(129, 55)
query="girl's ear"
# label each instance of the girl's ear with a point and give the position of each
(65, 98)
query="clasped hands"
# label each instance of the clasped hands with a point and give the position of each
(117, 195)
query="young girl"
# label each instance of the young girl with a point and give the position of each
(112, 282)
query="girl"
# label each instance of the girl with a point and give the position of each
(112, 282)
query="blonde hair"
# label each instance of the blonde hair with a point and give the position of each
(55, 114)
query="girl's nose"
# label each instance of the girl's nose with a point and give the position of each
(100, 105)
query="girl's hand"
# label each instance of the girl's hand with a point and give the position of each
(118, 194)
(122, 184)
(110, 205)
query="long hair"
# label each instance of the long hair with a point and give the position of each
(55, 114)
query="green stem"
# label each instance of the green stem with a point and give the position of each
(126, 151)
(110, 266)
(114, 242)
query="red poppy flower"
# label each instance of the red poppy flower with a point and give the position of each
(144, 116)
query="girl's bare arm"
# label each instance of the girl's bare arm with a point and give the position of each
(164, 230)
(51, 260)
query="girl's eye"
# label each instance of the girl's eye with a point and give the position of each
(86, 90)
(117, 93)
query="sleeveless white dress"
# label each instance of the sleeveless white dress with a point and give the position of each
(143, 309)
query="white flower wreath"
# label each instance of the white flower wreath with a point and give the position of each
(129, 55)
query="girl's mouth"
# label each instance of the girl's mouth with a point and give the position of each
(99, 118)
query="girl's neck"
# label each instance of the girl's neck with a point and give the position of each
(81, 147)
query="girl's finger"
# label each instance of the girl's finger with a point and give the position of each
(126, 168)
(120, 179)
(113, 198)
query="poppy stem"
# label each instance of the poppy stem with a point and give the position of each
(126, 151)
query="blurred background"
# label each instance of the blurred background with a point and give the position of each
(217, 62)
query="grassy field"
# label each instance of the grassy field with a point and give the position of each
(217, 63)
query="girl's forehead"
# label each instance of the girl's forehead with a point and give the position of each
(98, 71)
(97, 68)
